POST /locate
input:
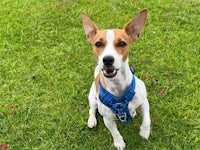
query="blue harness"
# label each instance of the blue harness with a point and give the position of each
(119, 105)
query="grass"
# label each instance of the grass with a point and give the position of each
(46, 70)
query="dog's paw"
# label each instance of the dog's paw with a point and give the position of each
(120, 145)
(134, 114)
(92, 122)
(145, 132)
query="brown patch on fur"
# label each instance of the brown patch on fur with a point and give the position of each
(121, 36)
(102, 81)
(100, 78)
(100, 37)
(96, 82)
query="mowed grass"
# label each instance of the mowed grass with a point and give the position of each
(46, 70)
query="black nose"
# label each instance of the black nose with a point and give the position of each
(108, 60)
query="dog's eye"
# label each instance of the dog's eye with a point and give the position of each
(121, 44)
(98, 44)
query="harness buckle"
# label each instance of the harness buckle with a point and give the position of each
(121, 113)
(122, 118)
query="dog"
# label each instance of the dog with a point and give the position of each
(116, 91)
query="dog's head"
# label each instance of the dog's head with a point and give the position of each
(111, 47)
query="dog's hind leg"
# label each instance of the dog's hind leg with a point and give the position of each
(118, 139)
(145, 127)
(92, 121)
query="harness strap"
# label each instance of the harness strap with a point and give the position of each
(119, 105)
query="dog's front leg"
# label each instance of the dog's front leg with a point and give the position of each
(145, 127)
(118, 139)
(92, 121)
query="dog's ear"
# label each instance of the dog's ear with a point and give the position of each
(89, 27)
(135, 26)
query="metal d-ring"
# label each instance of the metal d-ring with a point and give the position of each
(122, 118)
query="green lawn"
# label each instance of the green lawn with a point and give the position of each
(46, 70)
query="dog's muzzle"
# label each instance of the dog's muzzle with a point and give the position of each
(108, 70)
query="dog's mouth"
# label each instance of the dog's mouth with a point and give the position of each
(109, 72)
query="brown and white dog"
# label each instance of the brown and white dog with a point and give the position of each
(111, 49)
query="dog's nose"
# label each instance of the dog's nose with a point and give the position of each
(108, 60)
